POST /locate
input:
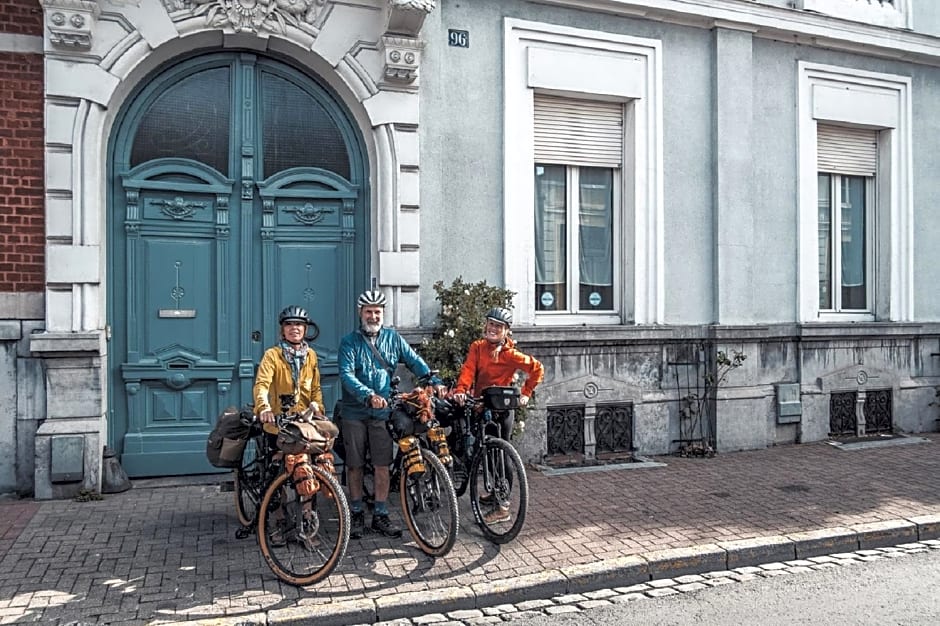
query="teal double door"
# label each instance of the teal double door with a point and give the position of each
(238, 187)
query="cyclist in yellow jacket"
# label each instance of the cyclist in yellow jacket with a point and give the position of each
(290, 367)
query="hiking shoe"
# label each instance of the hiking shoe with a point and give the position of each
(358, 525)
(383, 525)
(497, 515)
(276, 538)
(487, 499)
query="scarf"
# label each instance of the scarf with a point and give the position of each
(295, 357)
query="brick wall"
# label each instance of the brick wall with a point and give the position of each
(22, 220)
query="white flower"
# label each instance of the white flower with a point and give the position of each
(450, 332)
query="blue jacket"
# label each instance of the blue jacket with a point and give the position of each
(362, 374)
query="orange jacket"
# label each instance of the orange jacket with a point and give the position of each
(481, 370)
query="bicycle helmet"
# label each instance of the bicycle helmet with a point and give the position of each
(293, 313)
(501, 315)
(371, 297)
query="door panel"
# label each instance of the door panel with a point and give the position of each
(308, 256)
(201, 260)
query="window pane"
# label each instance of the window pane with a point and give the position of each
(825, 241)
(854, 232)
(298, 132)
(190, 121)
(551, 226)
(596, 239)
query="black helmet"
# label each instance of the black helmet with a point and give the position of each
(372, 297)
(501, 315)
(293, 313)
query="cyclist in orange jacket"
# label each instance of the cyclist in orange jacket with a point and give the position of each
(493, 362)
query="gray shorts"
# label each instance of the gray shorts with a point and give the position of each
(355, 435)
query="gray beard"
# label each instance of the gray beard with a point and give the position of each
(371, 329)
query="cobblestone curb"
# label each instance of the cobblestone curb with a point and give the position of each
(624, 579)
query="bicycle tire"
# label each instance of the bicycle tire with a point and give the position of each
(429, 506)
(313, 548)
(249, 485)
(509, 485)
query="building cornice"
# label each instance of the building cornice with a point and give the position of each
(781, 24)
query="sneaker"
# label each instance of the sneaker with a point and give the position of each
(497, 515)
(358, 525)
(383, 525)
(276, 538)
(487, 499)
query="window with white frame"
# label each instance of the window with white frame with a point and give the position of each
(856, 200)
(578, 153)
(583, 189)
(847, 162)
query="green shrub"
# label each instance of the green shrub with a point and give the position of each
(460, 322)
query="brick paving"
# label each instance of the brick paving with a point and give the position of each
(169, 554)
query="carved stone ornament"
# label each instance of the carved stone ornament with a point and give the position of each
(402, 58)
(253, 15)
(406, 17)
(71, 23)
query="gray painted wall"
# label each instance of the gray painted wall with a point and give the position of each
(462, 137)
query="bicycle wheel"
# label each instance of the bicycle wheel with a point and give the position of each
(248, 484)
(499, 490)
(303, 539)
(429, 506)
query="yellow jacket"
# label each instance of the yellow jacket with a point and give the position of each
(274, 379)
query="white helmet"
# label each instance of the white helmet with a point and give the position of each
(371, 297)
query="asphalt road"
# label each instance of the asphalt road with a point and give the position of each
(883, 591)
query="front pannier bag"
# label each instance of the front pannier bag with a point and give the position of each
(227, 441)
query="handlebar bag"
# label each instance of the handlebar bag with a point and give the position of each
(501, 398)
(227, 441)
(314, 437)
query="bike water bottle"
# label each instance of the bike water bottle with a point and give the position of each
(409, 447)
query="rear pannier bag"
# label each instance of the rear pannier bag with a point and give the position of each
(228, 439)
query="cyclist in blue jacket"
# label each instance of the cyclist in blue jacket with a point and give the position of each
(368, 357)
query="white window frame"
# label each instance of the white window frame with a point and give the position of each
(573, 251)
(882, 102)
(836, 226)
(552, 59)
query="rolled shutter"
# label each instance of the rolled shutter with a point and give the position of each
(578, 132)
(844, 150)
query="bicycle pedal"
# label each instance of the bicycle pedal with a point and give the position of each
(243, 533)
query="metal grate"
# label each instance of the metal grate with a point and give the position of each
(565, 430)
(877, 411)
(613, 428)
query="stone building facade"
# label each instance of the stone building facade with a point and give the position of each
(660, 182)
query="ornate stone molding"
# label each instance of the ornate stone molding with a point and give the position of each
(253, 16)
(402, 58)
(406, 17)
(71, 23)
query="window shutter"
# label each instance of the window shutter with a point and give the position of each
(843, 150)
(578, 132)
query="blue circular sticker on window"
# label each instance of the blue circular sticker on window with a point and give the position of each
(548, 299)
(594, 299)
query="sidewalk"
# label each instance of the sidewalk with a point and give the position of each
(169, 554)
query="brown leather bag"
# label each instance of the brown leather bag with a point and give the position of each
(313, 437)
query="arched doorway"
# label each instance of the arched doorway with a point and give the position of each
(238, 186)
